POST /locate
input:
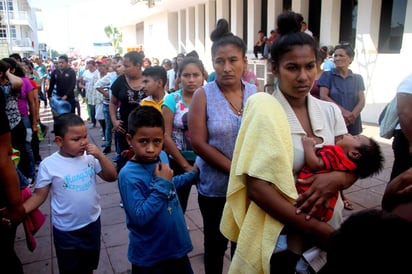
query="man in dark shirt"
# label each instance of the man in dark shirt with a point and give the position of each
(63, 80)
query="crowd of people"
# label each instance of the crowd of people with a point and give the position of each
(267, 168)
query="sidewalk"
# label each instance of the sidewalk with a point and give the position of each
(366, 193)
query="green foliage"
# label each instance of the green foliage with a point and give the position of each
(115, 37)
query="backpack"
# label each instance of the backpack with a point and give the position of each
(388, 119)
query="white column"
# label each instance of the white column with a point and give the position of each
(367, 26)
(274, 9)
(190, 29)
(222, 9)
(329, 24)
(236, 20)
(182, 31)
(253, 26)
(200, 29)
(172, 29)
(210, 24)
(302, 7)
(407, 31)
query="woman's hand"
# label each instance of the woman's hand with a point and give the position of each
(323, 187)
(117, 125)
(398, 191)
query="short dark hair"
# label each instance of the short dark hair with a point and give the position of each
(370, 241)
(145, 116)
(371, 160)
(64, 121)
(135, 57)
(191, 60)
(157, 73)
(64, 57)
(347, 48)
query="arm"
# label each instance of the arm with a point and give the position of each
(169, 144)
(15, 81)
(404, 101)
(199, 133)
(108, 172)
(52, 83)
(324, 95)
(324, 186)
(9, 182)
(36, 199)
(33, 108)
(271, 201)
(117, 124)
(313, 161)
(398, 191)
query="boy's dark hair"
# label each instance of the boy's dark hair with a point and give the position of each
(371, 160)
(370, 241)
(64, 121)
(157, 73)
(145, 116)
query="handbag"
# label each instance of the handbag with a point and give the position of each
(388, 119)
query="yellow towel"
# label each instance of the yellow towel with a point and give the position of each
(263, 150)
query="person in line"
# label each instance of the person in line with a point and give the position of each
(304, 28)
(214, 119)
(346, 89)
(359, 154)
(263, 206)
(175, 109)
(103, 86)
(11, 206)
(402, 141)
(158, 240)
(70, 175)
(63, 81)
(154, 82)
(127, 92)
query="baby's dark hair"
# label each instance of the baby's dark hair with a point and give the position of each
(157, 73)
(371, 160)
(289, 24)
(64, 121)
(221, 36)
(145, 116)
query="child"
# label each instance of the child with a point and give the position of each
(154, 82)
(159, 239)
(70, 174)
(358, 153)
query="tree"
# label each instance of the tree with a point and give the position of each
(115, 37)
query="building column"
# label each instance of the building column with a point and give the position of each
(236, 17)
(172, 29)
(222, 9)
(273, 10)
(329, 25)
(407, 30)
(254, 10)
(302, 7)
(190, 29)
(210, 24)
(367, 26)
(182, 31)
(200, 29)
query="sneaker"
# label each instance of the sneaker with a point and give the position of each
(107, 150)
(45, 130)
(121, 204)
(103, 139)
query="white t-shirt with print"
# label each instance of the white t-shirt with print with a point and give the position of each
(74, 200)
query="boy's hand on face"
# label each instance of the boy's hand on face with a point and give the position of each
(164, 171)
(93, 150)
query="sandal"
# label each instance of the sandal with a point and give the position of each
(347, 205)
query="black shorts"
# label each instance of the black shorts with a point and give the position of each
(78, 251)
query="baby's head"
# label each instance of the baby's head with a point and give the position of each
(146, 133)
(365, 152)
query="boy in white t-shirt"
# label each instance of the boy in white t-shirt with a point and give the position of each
(70, 175)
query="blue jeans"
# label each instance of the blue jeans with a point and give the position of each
(109, 126)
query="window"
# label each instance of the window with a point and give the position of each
(9, 5)
(3, 32)
(348, 20)
(392, 26)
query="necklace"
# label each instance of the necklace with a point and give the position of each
(239, 111)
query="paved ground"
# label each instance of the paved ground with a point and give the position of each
(365, 193)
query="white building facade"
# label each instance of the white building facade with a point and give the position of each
(379, 30)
